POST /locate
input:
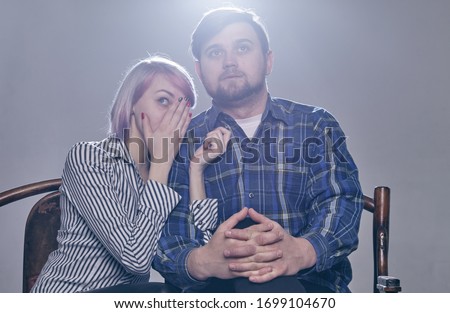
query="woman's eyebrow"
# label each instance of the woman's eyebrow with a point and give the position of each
(166, 91)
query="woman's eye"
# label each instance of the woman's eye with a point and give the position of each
(163, 101)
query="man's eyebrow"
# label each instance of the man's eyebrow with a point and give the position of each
(219, 46)
(213, 46)
(244, 40)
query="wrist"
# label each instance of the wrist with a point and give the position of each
(196, 168)
(197, 268)
(307, 254)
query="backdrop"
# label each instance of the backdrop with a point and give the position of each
(381, 67)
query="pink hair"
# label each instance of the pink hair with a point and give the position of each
(136, 82)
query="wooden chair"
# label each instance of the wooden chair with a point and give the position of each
(379, 205)
(44, 220)
(42, 228)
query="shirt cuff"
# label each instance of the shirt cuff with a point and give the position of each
(194, 284)
(321, 247)
(204, 213)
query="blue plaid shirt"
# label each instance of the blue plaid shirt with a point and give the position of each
(296, 170)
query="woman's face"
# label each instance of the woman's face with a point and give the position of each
(156, 100)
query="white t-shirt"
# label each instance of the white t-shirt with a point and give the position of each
(250, 124)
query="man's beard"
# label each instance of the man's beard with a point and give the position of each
(236, 92)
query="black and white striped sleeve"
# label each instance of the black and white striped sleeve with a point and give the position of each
(129, 227)
(204, 213)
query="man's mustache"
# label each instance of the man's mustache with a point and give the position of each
(231, 74)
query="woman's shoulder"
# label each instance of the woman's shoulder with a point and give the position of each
(96, 152)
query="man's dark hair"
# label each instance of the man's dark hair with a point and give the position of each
(216, 20)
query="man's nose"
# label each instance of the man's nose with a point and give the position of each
(229, 60)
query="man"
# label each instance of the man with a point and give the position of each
(286, 178)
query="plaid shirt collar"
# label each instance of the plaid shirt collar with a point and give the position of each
(214, 117)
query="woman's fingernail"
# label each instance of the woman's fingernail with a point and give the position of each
(190, 114)
(180, 99)
(188, 104)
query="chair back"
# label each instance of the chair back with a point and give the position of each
(41, 231)
(41, 228)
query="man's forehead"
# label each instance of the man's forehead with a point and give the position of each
(233, 33)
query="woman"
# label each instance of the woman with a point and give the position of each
(114, 198)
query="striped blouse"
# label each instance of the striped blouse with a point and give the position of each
(111, 221)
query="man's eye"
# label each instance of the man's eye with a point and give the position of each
(215, 53)
(163, 101)
(243, 49)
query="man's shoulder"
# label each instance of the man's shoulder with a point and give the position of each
(293, 108)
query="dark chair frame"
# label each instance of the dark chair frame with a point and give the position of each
(47, 212)
(379, 205)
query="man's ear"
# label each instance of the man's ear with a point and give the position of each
(198, 70)
(269, 62)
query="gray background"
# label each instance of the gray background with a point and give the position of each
(381, 67)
